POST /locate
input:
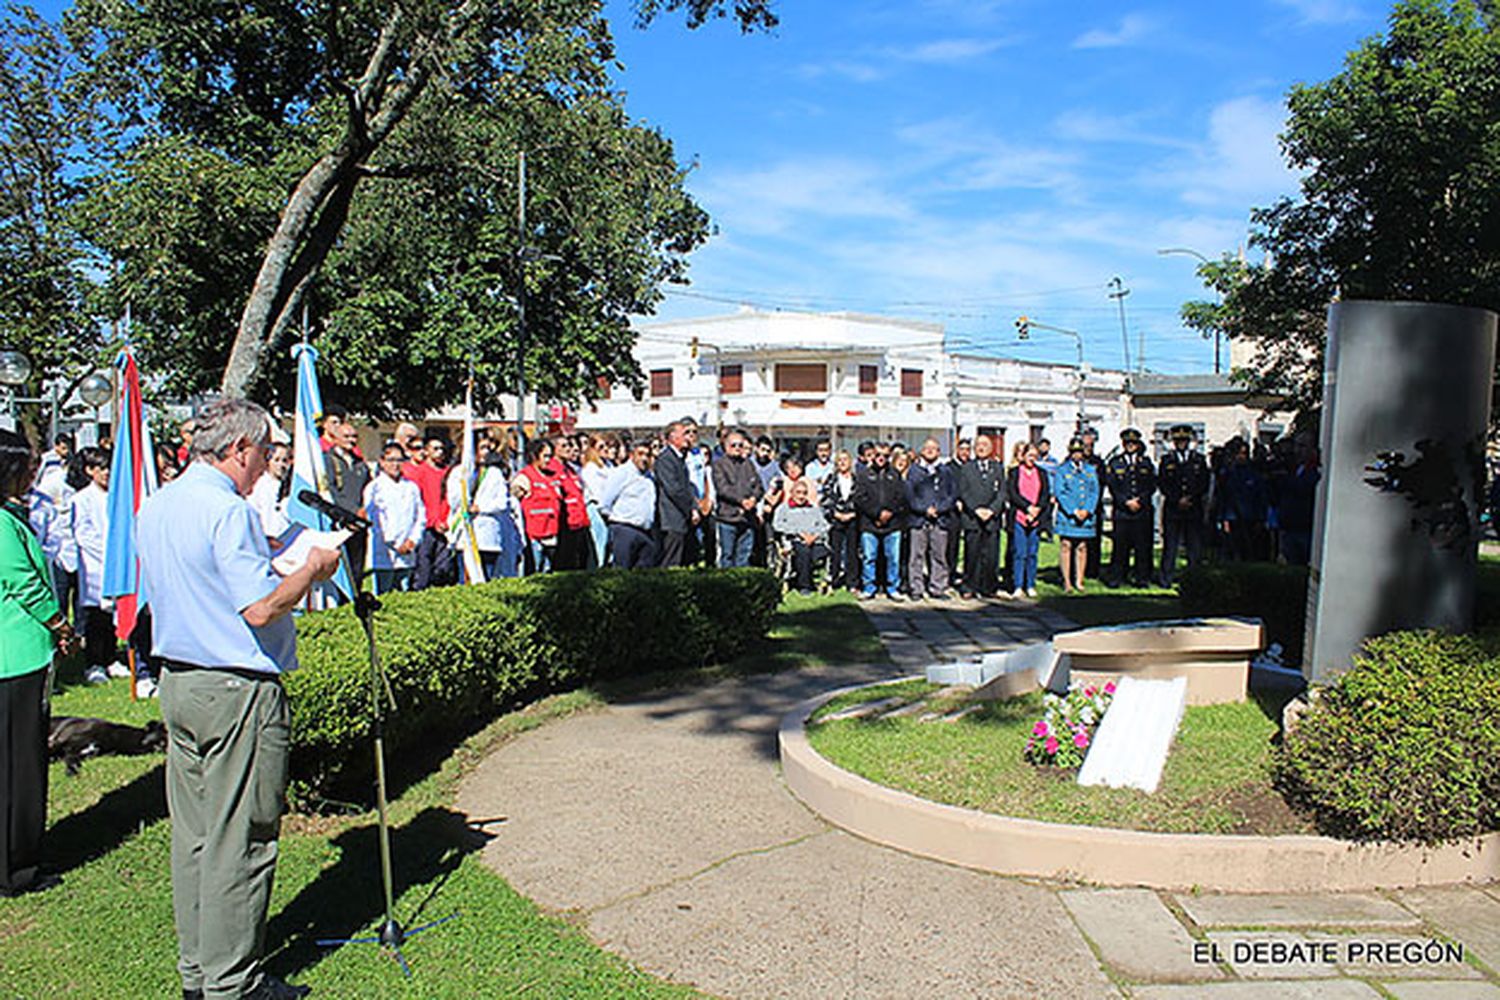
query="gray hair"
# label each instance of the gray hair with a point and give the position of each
(224, 423)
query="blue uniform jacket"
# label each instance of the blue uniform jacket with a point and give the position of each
(1076, 487)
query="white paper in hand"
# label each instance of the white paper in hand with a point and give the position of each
(297, 543)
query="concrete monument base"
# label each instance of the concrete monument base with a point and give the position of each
(1213, 654)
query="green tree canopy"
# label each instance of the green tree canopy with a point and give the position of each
(1400, 197)
(360, 158)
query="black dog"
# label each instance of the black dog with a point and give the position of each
(72, 739)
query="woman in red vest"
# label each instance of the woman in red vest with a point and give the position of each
(541, 505)
(573, 534)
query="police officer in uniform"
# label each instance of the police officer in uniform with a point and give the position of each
(1183, 480)
(1132, 487)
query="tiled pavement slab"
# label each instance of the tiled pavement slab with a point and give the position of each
(1464, 913)
(1136, 934)
(1287, 989)
(1434, 990)
(1352, 909)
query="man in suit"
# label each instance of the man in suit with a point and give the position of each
(676, 508)
(981, 485)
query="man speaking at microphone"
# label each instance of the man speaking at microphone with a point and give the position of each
(222, 628)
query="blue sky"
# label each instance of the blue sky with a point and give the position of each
(968, 161)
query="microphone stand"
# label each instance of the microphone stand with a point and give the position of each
(391, 935)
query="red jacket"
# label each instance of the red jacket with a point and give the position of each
(541, 507)
(572, 493)
(429, 480)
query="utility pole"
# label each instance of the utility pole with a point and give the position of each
(1119, 293)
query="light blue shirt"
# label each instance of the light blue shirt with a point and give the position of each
(630, 497)
(698, 462)
(204, 559)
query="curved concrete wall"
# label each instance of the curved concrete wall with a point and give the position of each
(1105, 856)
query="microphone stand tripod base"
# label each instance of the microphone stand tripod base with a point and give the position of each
(391, 935)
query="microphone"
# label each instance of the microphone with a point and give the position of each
(342, 517)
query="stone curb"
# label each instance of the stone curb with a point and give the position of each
(1010, 846)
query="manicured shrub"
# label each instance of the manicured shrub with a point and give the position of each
(455, 654)
(1405, 745)
(1272, 592)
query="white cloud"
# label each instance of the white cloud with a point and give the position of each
(784, 196)
(1082, 125)
(857, 72)
(964, 157)
(1131, 29)
(1324, 11)
(1241, 161)
(947, 51)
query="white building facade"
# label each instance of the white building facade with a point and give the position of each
(799, 377)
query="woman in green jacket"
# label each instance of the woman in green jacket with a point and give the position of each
(31, 626)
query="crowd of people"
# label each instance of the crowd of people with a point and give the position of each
(909, 523)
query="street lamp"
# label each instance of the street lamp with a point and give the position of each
(1190, 252)
(1024, 326)
(954, 398)
(15, 369)
(96, 390)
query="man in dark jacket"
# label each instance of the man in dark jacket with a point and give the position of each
(930, 498)
(676, 510)
(737, 493)
(880, 498)
(1183, 482)
(1132, 488)
(980, 501)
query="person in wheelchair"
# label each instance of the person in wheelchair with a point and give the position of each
(801, 532)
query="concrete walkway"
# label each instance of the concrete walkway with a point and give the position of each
(662, 826)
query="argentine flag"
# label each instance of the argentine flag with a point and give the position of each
(309, 471)
(132, 478)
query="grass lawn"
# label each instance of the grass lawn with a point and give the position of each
(1101, 605)
(1216, 779)
(107, 930)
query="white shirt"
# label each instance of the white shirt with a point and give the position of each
(90, 518)
(594, 476)
(49, 521)
(492, 501)
(52, 479)
(394, 507)
(271, 508)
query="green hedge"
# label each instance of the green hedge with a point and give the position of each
(456, 654)
(1404, 746)
(1273, 592)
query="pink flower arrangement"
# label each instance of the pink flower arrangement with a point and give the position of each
(1062, 736)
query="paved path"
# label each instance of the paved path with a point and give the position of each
(663, 827)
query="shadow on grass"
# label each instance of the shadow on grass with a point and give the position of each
(347, 897)
(79, 838)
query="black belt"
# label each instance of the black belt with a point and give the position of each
(245, 673)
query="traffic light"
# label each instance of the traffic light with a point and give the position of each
(1023, 327)
(693, 348)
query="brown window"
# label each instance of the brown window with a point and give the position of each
(603, 384)
(731, 379)
(661, 382)
(869, 378)
(911, 382)
(802, 378)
